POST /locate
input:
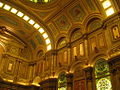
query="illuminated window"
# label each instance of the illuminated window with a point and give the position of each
(45, 35)
(47, 41)
(20, 14)
(37, 26)
(10, 66)
(26, 18)
(74, 51)
(31, 22)
(81, 49)
(104, 84)
(48, 47)
(13, 10)
(109, 11)
(106, 4)
(7, 7)
(108, 7)
(41, 30)
(1, 4)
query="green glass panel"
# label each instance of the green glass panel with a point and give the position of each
(101, 68)
(103, 83)
(62, 81)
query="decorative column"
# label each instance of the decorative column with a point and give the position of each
(31, 73)
(49, 84)
(114, 64)
(69, 81)
(89, 78)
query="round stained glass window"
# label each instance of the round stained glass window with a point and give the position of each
(104, 84)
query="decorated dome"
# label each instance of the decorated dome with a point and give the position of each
(41, 1)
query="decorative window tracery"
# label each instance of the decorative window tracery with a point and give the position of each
(102, 75)
(62, 81)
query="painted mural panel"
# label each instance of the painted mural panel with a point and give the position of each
(77, 13)
(91, 5)
(53, 29)
(9, 20)
(63, 23)
(33, 44)
(39, 39)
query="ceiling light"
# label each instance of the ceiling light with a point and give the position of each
(109, 11)
(41, 30)
(7, 7)
(106, 4)
(37, 26)
(45, 35)
(31, 22)
(20, 14)
(1, 4)
(26, 18)
(13, 10)
(47, 41)
(49, 47)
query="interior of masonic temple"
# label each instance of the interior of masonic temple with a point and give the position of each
(59, 44)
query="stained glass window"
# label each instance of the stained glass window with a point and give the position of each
(62, 81)
(102, 75)
(104, 84)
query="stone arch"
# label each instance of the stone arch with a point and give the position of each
(62, 69)
(90, 18)
(95, 58)
(61, 42)
(76, 34)
(75, 27)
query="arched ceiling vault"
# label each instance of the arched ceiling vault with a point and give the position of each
(37, 34)
(57, 18)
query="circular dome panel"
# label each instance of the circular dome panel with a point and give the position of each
(41, 1)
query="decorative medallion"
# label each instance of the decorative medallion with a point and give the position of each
(104, 84)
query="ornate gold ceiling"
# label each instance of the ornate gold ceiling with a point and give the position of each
(58, 18)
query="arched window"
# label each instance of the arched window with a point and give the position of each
(62, 81)
(102, 75)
